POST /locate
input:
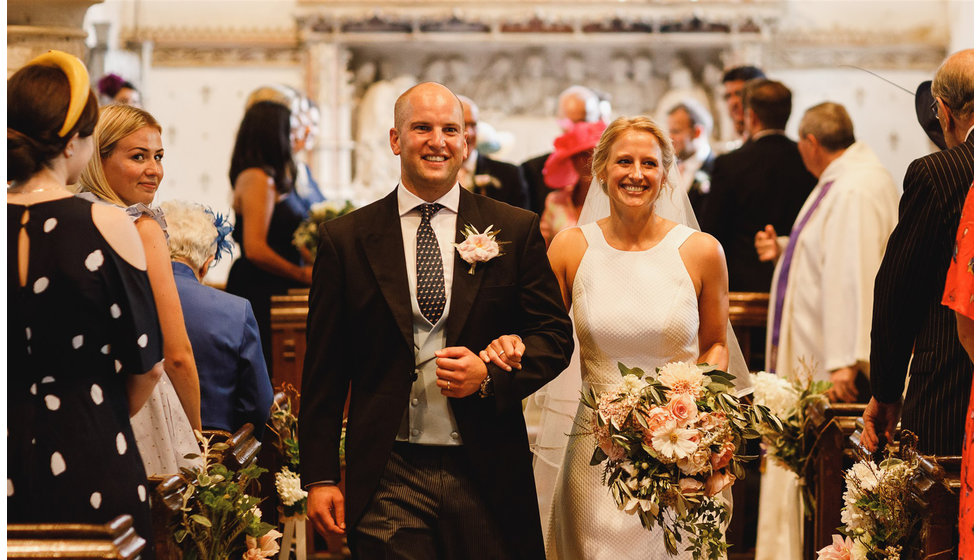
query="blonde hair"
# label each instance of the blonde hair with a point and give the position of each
(620, 126)
(115, 123)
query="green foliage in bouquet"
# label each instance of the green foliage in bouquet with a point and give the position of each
(305, 237)
(669, 444)
(216, 512)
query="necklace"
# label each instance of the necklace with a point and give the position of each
(29, 188)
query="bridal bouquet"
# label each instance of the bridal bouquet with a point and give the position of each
(306, 237)
(788, 400)
(879, 522)
(669, 444)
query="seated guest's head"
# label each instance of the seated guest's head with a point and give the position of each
(128, 164)
(690, 126)
(49, 106)
(198, 237)
(768, 104)
(825, 131)
(577, 104)
(734, 82)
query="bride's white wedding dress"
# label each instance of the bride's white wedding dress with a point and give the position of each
(639, 308)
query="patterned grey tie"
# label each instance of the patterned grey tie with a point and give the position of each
(431, 284)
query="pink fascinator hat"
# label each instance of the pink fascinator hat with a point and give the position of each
(559, 171)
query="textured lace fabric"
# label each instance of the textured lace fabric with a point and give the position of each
(639, 308)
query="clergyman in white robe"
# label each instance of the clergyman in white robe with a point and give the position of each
(826, 314)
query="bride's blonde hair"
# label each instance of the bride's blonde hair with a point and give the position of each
(600, 157)
(115, 123)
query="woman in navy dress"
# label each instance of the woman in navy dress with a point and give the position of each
(82, 334)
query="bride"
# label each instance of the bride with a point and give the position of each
(644, 290)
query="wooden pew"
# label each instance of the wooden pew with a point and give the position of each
(116, 539)
(288, 319)
(166, 500)
(829, 427)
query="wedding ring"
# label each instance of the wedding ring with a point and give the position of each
(448, 384)
(499, 352)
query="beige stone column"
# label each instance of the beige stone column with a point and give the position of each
(35, 26)
(326, 77)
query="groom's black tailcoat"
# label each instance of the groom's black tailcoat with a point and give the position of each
(360, 336)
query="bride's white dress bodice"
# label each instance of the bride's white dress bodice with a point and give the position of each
(638, 308)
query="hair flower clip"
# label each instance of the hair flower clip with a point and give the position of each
(224, 228)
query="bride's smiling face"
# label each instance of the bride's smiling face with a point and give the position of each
(634, 172)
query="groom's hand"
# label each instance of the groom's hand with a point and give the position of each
(459, 371)
(325, 507)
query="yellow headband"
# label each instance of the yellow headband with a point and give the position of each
(78, 82)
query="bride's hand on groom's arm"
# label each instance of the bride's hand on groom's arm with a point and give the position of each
(505, 351)
(325, 508)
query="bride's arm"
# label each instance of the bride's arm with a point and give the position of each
(705, 261)
(565, 254)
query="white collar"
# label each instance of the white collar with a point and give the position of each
(408, 201)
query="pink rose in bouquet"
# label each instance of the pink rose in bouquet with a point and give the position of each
(683, 408)
(718, 481)
(721, 459)
(657, 417)
(690, 485)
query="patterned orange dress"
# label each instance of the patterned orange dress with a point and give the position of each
(958, 296)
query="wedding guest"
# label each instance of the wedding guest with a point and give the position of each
(114, 89)
(908, 289)
(820, 302)
(267, 212)
(734, 80)
(690, 125)
(235, 387)
(83, 343)
(958, 296)
(126, 172)
(480, 174)
(568, 173)
(763, 182)
(575, 104)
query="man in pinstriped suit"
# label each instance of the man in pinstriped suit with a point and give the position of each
(908, 318)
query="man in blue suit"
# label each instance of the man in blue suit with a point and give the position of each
(235, 385)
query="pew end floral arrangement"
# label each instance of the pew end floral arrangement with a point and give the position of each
(216, 511)
(880, 522)
(284, 424)
(669, 444)
(789, 400)
(306, 237)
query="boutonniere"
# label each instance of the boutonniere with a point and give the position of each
(478, 247)
(702, 182)
(485, 180)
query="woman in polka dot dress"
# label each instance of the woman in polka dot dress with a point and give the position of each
(84, 345)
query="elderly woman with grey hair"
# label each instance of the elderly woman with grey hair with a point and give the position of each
(235, 385)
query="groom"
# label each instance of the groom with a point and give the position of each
(438, 463)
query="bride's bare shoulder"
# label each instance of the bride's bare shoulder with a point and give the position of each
(568, 246)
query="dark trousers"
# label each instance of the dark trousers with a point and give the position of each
(427, 507)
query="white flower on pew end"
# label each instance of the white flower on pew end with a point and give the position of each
(289, 487)
(776, 393)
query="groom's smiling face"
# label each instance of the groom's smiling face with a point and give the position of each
(430, 139)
